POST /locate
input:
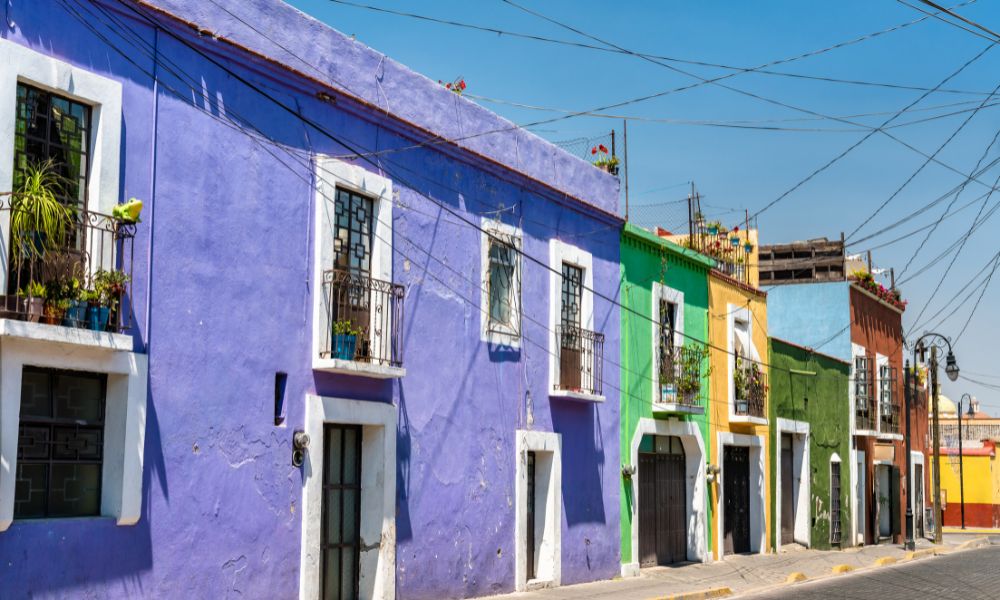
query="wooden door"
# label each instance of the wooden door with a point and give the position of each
(736, 489)
(647, 510)
(530, 527)
(341, 510)
(787, 491)
(662, 508)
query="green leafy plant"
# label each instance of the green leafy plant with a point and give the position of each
(345, 327)
(38, 220)
(35, 289)
(110, 286)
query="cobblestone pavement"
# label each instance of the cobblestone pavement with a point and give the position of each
(969, 575)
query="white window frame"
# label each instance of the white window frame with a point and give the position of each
(511, 338)
(735, 314)
(663, 292)
(377, 562)
(548, 533)
(124, 417)
(104, 96)
(332, 173)
(835, 458)
(560, 252)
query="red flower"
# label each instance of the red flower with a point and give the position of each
(735, 229)
(603, 148)
(447, 85)
(461, 83)
(593, 150)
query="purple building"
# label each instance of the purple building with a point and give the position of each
(340, 263)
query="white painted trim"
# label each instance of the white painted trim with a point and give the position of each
(834, 458)
(857, 351)
(22, 65)
(66, 336)
(510, 339)
(548, 521)
(363, 369)
(739, 313)
(582, 396)
(758, 521)
(695, 459)
(124, 428)
(662, 292)
(560, 252)
(858, 500)
(917, 458)
(332, 173)
(377, 571)
(801, 481)
(881, 360)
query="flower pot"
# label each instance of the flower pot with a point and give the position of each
(344, 346)
(34, 309)
(712, 230)
(668, 393)
(748, 248)
(97, 317)
(735, 241)
(77, 314)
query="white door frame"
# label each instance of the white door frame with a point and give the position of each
(917, 458)
(548, 521)
(694, 475)
(858, 500)
(801, 481)
(758, 529)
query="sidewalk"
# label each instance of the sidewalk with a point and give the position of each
(744, 573)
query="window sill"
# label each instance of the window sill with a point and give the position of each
(582, 396)
(893, 437)
(69, 336)
(747, 419)
(866, 432)
(500, 338)
(674, 407)
(360, 369)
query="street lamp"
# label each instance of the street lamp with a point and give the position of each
(951, 370)
(961, 457)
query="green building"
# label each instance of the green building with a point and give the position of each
(664, 428)
(810, 447)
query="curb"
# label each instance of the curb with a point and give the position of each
(917, 554)
(796, 577)
(885, 560)
(838, 569)
(980, 542)
(719, 592)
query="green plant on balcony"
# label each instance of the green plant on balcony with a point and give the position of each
(603, 160)
(39, 221)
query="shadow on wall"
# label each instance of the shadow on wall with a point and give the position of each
(583, 460)
(404, 529)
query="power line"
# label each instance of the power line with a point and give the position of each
(948, 11)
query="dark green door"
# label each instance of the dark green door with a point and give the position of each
(341, 511)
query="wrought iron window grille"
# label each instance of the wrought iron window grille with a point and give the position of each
(581, 360)
(503, 284)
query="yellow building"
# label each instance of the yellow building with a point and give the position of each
(739, 499)
(982, 485)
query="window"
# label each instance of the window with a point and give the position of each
(885, 384)
(503, 284)
(51, 127)
(60, 447)
(352, 242)
(666, 326)
(861, 378)
(835, 524)
(572, 296)
(576, 351)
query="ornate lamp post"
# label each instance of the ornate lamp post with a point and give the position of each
(961, 457)
(951, 370)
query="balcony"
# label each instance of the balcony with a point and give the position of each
(865, 409)
(889, 420)
(732, 251)
(365, 316)
(889, 409)
(72, 290)
(580, 360)
(750, 390)
(680, 382)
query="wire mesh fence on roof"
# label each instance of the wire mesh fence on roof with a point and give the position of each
(671, 215)
(582, 147)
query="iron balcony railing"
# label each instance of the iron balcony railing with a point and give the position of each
(889, 418)
(732, 259)
(889, 410)
(750, 386)
(82, 280)
(680, 376)
(581, 359)
(865, 413)
(365, 316)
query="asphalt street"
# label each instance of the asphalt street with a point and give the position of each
(971, 575)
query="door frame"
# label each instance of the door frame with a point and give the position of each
(758, 520)
(377, 562)
(917, 459)
(547, 447)
(799, 430)
(694, 463)
(858, 503)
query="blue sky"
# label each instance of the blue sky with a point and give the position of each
(738, 170)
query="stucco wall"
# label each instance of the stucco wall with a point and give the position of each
(230, 305)
(646, 259)
(820, 399)
(814, 315)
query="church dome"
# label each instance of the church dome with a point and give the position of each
(946, 406)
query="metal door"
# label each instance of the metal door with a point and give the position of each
(835, 518)
(787, 491)
(531, 517)
(341, 509)
(662, 504)
(736, 488)
(647, 509)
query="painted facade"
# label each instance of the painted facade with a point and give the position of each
(810, 432)
(982, 485)
(665, 385)
(242, 147)
(849, 323)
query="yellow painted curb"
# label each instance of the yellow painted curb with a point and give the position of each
(974, 543)
(842, 569)
(719, 592)
(885, 560)
(915, 554)
(796, 577)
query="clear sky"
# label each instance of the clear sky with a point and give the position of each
(744, 169)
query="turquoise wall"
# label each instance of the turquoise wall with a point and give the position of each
(814, 315)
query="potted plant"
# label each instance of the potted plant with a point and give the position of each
(747, 247)
(33, 300)
(345, 340)
(92, 319)
(38, 220)
(713, 227)
(54, 310)
(110, 287)
(668, 387)
(604, 161)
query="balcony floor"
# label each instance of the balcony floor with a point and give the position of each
(359, 368)
(71, 336)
